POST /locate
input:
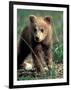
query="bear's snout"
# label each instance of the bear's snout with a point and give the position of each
(37, 39)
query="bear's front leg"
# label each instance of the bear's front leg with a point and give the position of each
(39, 61)
(48, 57)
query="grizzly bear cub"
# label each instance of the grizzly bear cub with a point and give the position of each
(38, 36)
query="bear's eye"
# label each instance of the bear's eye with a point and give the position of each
(41, 30)
(35, 30)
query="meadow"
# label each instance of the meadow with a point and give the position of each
(57, 48)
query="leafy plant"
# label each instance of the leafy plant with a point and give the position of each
(58, 53)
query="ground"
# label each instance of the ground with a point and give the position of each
(59, 70)
(56, 72)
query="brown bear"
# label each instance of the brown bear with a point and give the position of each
(36, 38)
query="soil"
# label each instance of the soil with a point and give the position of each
(59, 70)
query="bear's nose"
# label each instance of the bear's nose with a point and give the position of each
(37, 39)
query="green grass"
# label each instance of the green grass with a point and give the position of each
(58, 53)
(57, 29)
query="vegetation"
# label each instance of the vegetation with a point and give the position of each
(57, 26)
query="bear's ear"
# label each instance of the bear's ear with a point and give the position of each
(32, 18)
(48, 19)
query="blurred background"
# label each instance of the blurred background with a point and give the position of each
(57, 29)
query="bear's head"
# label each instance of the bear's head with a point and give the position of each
(40, 27)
